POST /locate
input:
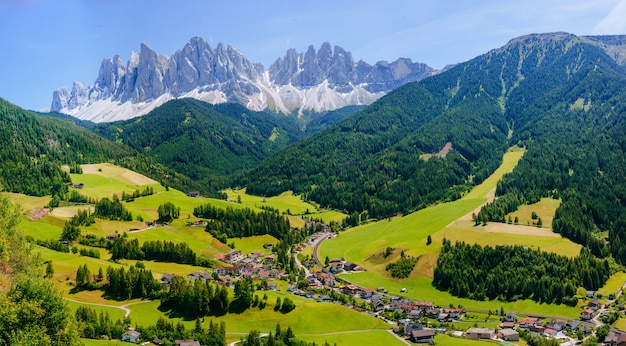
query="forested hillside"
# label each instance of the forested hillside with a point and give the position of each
(204, 141)
(34, 147)
(535, 91)
(575, 135)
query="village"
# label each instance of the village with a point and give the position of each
(412, 320)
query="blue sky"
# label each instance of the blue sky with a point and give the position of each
(49, 44)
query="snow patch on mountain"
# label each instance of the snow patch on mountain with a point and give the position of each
(321, 80)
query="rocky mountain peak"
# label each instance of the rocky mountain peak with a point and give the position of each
(323, 79)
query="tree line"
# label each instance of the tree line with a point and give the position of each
(230, 222)
(512, 273)
(155, 250)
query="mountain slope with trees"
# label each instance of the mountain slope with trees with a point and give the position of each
(202, 140)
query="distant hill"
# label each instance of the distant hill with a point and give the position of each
(202, 140)
(558, 95)
(34, 147)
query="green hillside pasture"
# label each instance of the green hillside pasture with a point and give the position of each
(283, 202)
(147, 206)
(615, 282)
(93, 342)
(28, 203)
(353, 338)
(121, 174)
(100, 186)
(160, 268)
(502, 234)
(249, 244)
(487, 188)
(104, 227)
(420, 288)
(364, 244)
(309, 317)
(620, 324)
(114, 313)
(198, 240)
(41, 230)
(447, 340)
(544, 209)
(68, 212)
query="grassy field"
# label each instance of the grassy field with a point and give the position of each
(309, 317)
(620, 324)
(615, 282)
(91, 342)
(114, 313)
(286, 202)
(29, 202)
(365, 245)
(544, 209)
(249, 244)
(354, 338)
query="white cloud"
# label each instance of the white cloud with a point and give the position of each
(614, 22)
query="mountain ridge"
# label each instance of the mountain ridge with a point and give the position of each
(317, 80)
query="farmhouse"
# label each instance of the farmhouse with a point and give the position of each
(586, 314)
(508, 334)
(510, 317)
(615, 339)
(507, 325)
(112, 236)
(454, 314)
(557, 325)
(528, 322)
(167, 278)
(233, 256)
(479, 333)
(594, 304)
(131, 336)
(187, 342)
(204, 277)
(193, 194)
(423, 336)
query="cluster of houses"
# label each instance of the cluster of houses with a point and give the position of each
(134, 337)
(255, 266)
(506, 332)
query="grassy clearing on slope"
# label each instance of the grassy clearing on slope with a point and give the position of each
(354, 338)
(620, 324)
(309, 317)
(544, 209)
(365, 244)
(285, 202)
(40, 230)
(249, 244)
(114, 313)
(613, 284)
(28, 203)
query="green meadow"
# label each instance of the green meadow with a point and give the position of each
(615, 282)
(286, 202)
(366, 244)
(309, 318)
(114, 313)
(354, 338)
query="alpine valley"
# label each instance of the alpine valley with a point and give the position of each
(201, 198)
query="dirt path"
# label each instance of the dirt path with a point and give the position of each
(121, 307)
